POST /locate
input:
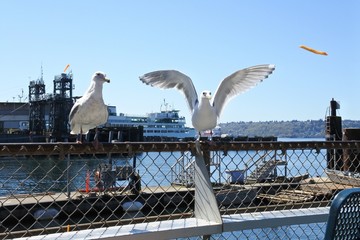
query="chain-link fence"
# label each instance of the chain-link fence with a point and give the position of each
(64, 187)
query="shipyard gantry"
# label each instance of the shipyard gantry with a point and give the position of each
(57, 105)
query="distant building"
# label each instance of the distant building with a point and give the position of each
(14, 117)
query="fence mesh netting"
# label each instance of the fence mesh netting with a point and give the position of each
(60, 187)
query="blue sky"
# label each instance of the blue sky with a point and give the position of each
(207, 40)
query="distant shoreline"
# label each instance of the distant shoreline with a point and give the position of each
(282, 129)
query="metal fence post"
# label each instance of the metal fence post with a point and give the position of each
(68, 176)
(205, 202)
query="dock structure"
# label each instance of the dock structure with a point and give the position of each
(65, 188)
(333, 132)
(61, 102)
(37, 104)
(49, 113)
(137, 190)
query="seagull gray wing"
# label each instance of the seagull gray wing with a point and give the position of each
(238, 83)
(173, 79)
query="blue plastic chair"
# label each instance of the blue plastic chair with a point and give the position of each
(344, 217)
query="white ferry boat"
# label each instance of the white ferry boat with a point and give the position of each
(163, 124)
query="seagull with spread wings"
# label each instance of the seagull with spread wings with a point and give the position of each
(205, 113)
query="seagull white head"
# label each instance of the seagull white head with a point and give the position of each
(100, 77)
(206, 94)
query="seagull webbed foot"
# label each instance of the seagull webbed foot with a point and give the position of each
(96, 143)
(79, 138)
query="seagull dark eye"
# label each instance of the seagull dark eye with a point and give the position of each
(209, 93)
(204, 93)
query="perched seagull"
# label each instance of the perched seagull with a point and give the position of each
(205, 114)
(89, 111)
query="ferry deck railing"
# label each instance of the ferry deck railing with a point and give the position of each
(124, 190)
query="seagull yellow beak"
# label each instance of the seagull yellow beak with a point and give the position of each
(107, 80)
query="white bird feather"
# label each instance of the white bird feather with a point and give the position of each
(205, 114)
(90, 111)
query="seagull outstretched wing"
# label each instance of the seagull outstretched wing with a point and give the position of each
(173, 79)
(238, 83)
